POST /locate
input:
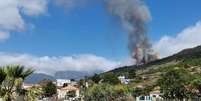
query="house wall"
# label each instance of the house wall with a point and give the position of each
(60, 82)
(62, 93)
(151, 97)
(146, 98)
(77, 93)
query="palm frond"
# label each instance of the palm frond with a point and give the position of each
(18, 71)
(2, 75)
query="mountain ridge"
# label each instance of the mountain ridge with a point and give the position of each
(76, 75)
(186, 54)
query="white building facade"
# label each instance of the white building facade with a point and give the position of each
(123, 80)
(61, 82)
(151, 97)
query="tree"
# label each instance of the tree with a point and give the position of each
(50, 89)
(72, 79)
(2, 75)
(2, 78)
(96, 78)
(110, 78)
(131, 74)
(172, 84)
(71, 94)
(196, 85)
(81, 82)
(33, 93)
(137, 92)
(107, 92)
(11, 81)
(44, 82)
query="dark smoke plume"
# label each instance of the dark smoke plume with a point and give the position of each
(134, 16)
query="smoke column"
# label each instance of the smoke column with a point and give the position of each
(134, 16)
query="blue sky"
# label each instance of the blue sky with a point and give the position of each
(64, 32)
(89, 29)
(172, 16)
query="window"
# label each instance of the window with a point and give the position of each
(142, 98)
(148, 98)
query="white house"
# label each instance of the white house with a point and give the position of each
(143, 98)
(61, 82)
(123, 80)
(153, 96)
(63, 92)
(156, 96)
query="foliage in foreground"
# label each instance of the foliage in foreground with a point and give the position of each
(176, 82)
(33, 93)
(180, 83)
(11, 79)
(49, 89)
(107, 92)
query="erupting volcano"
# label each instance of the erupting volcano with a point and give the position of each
(134, 16)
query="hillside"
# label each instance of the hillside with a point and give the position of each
(188, 60)
(77, 75)
(36, 77)
(184, 55)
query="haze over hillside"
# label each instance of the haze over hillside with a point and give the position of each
(76, 75)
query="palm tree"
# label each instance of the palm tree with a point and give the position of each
(33, 93)
(2, 75)
(2, 78)
(15, 75)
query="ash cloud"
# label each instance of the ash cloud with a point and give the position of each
(134, 16)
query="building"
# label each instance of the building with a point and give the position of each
(123, 80)
(27, 86)
(68, 92)
(61, 82)
(143, 98)
(156, 96)
(153, 96)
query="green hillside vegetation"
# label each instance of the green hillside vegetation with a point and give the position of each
(177, 77)
(192, 56)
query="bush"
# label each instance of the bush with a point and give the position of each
(110, 78)
(173, 82)
(50, 89)
(96, 78)
(106, 92)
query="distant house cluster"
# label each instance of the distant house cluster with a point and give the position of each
(124, 80)
(153, 96)
(67, 90)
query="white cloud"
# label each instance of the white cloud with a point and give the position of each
(11, 18)
(49, 65)
(188, 38)
(4, 35)
(70, 4)
(33, 7)
(65, 3)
